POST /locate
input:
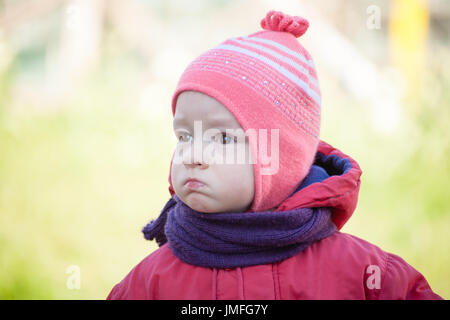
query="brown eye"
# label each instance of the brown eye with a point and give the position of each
(226, 139)
(184, 137)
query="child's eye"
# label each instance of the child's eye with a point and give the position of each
(223, 138)
(184, 137)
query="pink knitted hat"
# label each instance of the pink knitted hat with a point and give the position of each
(267, 80)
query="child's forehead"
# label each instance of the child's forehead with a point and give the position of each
(211, 119)
(209, 111)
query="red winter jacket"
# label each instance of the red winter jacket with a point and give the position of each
(340, 266)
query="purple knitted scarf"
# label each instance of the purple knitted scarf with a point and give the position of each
(228, 240)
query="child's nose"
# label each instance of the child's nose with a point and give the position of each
(195, 157)
(197, 164)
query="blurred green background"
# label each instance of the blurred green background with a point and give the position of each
(86, 139)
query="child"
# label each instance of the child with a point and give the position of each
(246, 230)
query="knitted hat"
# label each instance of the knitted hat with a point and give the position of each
(267, 80)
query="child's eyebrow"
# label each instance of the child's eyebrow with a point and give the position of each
(220, 122)
(212, 122)
(178, 121)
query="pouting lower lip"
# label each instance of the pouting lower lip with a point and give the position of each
(194, 184)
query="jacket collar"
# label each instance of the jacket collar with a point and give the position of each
(333, 181)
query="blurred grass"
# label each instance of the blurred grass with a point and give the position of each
(76, 187)
(78, 184)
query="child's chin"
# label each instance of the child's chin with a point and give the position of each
(202, 209)
(200, 206)
(201, 203)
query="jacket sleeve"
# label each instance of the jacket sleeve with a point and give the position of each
(116, 293)
(403, 282)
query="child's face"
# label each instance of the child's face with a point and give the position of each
(228, 186)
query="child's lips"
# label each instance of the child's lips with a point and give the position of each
(194, 184)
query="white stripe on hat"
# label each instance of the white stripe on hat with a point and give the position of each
(285, 59)
(283, 48)
(302, 84)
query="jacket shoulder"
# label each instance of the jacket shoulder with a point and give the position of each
(139, 283)
(379, 274)
(163, 276)
(347, 248)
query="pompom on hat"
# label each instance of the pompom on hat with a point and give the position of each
(267, 80)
